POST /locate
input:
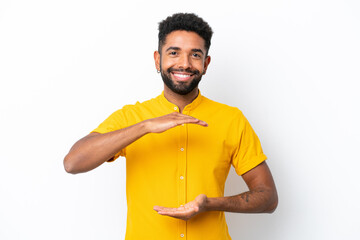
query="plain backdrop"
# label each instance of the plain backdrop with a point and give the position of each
(291, 66)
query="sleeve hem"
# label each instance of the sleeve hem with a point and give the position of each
(252, 165)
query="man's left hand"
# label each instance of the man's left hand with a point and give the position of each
(185, 212)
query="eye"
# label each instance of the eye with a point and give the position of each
(173, 53)
(196, 55)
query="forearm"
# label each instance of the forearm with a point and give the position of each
(93, 150)
(259, 200)
(262, 198)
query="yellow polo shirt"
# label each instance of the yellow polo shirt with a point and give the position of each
(172, 168)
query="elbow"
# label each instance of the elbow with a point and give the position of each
(272, 207)
(273, 204)
(69, 165)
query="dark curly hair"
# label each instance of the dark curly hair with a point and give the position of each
(188, 22)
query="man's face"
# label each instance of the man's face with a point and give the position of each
(182, 61)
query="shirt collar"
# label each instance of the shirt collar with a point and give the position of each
(196, 102)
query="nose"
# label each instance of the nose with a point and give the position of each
(184, 62)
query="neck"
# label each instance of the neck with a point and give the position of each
(180, 100)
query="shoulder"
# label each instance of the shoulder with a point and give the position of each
(133, 113)
(221, 108)
(128, 115)
(141, 106)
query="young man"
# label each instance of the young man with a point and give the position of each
(179, 148)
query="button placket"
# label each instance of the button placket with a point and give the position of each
(182, 166)
(182, 175)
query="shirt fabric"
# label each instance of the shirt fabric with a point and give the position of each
(171, 168)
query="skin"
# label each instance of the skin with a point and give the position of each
(182, 51)
(261, 198)
(95, 148)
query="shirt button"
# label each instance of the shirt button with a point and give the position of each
(175, 108)
(181, 177)
(181, 235)
(182, 149)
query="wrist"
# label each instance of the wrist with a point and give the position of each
(208, 204)
(214, 204)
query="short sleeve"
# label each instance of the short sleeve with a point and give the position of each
(248, 153)
(114, 122)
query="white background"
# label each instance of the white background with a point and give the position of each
(291, 66)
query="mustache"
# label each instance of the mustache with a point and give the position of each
(183, 70)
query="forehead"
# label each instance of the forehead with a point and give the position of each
(184, 40)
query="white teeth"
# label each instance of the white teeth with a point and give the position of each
(181, 75)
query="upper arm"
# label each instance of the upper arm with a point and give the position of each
(92, 134)
(259, 177)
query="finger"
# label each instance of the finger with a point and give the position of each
(176, 211)
(189, 119)
(169, 210)
(159, 208)
(178, 214)
(165, 209)
(202, 123)
(192, 121)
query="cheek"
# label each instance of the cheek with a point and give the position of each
(199, 66)
(166, 63)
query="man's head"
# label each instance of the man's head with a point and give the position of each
(182, 57)
(187, 22)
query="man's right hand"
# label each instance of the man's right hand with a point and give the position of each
(163, 123)
(95, 148)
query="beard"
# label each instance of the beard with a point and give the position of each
(181, 87)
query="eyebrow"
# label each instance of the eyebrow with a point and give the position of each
(197, 50)
(177, 49)
(173, 48)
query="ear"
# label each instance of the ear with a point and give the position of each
(157, 60)
(206, 63)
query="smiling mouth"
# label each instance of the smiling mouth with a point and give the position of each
(182, 76)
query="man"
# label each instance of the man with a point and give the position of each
(179, 148)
